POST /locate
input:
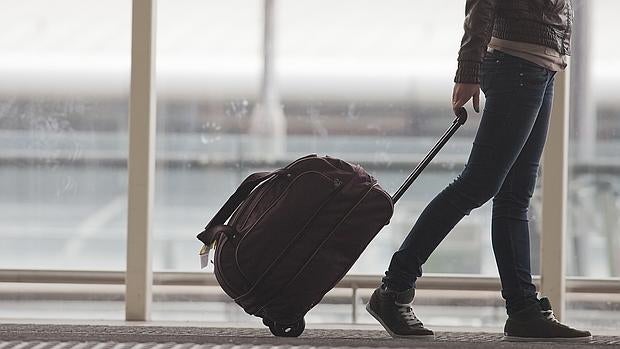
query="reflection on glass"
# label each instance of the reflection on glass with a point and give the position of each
(594, 184)
(351, 83)
(368, 81)
(63, 141)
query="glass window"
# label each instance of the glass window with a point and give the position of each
(63, 133)
(208, 67)
(593, 239)
(594, 184)
(63, 151)
(355, 82)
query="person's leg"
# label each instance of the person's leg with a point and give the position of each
(529, 318)
(513, 101)
(510, 226)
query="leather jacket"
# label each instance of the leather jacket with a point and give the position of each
(542, 22)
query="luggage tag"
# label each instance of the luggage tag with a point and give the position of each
(205, 252)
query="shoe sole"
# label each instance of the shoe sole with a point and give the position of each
(552, 339)
(394, 335)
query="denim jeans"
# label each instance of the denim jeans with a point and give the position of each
(503, 166)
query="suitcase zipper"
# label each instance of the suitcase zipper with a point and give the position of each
(245, 207)
(376, 187)
(295, 239)
(253, 203)
(336, 182)
(218, 271)
(266, 303)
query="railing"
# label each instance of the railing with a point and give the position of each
(460, 282)
(430, 281)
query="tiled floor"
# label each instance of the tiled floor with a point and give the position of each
(55, 336)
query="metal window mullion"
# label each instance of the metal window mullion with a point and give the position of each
(462, 282)
(554, 186)
(141, 161)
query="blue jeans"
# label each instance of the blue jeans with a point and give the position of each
(503, 166)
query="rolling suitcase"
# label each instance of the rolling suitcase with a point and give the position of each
(285, 238)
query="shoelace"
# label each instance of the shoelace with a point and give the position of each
(407, 313)
(549, 315)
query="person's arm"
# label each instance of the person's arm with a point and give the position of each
(479, 19)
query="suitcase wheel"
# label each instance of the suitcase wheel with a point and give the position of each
(291, 330)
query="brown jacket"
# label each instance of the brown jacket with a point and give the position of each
(542, 22)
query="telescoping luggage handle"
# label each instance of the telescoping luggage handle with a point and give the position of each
(216, 225)
(460, 119)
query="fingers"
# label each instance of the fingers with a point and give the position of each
(454, 95)
(456, 105)
(455, 98)
(459, 101)
(476, 101)
(462, 93)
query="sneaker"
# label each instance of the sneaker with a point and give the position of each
(537, 323)
(393, 311)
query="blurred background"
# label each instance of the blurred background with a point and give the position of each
(365, 80)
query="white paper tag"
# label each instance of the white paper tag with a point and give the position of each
(205, 252)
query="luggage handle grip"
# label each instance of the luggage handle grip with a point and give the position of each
(208, 235)
(460, 119)
(211, 234)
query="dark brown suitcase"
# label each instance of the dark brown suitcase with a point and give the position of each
(295, 232)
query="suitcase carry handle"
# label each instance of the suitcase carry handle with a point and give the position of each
(215, 226)
(460, 119)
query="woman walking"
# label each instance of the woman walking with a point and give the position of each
(511, 50)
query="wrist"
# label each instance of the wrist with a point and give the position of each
(468, 72)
